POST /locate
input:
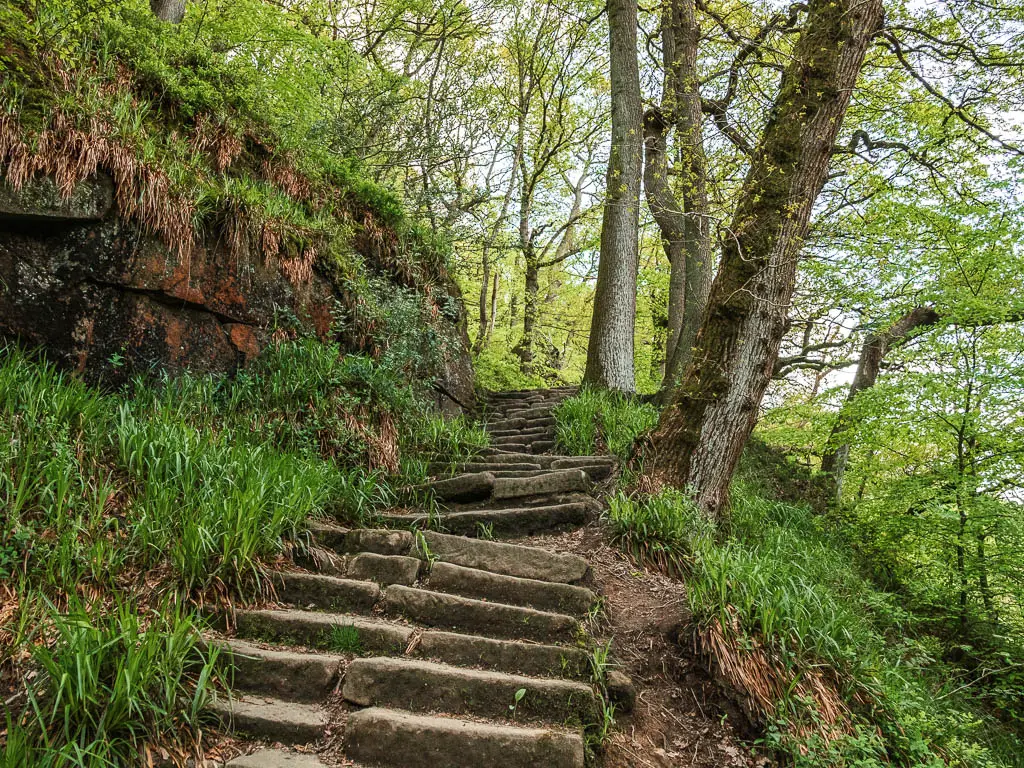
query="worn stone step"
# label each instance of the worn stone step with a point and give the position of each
(518, 448)
(537, 412)
(580, 462)
(264, 717)
(383, 569)
(470, 486)
(276, 758)
(495, 433)
(436, 609)
(326, 592)
(511, 590)
(520, 521)
(510, 440)
(510, 559)
(425, 686)
(390, 738)
(288, 675)
(490, 466)
(542, 446)
(557, 481)
(341, 633)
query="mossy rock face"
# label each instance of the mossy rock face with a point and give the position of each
(39, 199)
(103, 297)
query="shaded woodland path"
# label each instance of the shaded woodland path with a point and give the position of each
(409, 647)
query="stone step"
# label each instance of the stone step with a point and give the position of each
(558, 481)
(509, 559)
(471, 486)
(496, 433)
(425, 686)
(383, 569)
(510, 440)
(288, 675)
(437, 609)
(390, 738)
(326, 592)
(542, 446)
(511, 590)
(336, 632)
(342, 633)
(580, 462)
(536, 412)
(490, 466)
(520, 521)
(264, 717)
(276, 758)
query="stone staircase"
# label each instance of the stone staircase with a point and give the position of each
(428, 643)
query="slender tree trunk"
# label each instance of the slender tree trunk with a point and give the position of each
(172, 11)
(494, 306)
(485, 283)
(876, 347)
(700, 436)
(610, 350)
(689, 121)
(525, 348)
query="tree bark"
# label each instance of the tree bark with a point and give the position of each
(681, 48)
(172, 11)
(610, 349)
(700, 436)
(876, 347)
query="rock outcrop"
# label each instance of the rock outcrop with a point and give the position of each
(105, 299)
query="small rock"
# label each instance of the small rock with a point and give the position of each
(621, 690)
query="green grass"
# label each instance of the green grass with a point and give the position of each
(597, 420)
(109, 681)
(781, 585)
(166, 496)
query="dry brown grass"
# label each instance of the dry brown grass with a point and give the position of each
(759, 681)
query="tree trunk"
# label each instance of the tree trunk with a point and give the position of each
(700, 436)
(525, 348)
(172, 11)
(485, 283)
(681, 71)
(875, 348)
(610, 349)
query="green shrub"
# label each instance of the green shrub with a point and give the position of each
(596, 420)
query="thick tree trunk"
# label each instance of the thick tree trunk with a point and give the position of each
(172, 11)
(876, 347)
(610, 350)
(700, 436)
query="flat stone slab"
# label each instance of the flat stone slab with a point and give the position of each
(326, 592)
(336, 632)
(424, 686)
(276, 758)
(511, 590)
(524, 521)
(504, 655)
(490, 466)
(286, 674)
(471, 486)
(384, 569)
(288, 722)
(380, 541)
(391, 738)
(558, 481)
(510, 559)
(437, 609)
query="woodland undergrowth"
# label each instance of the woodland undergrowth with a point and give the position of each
(125, 513)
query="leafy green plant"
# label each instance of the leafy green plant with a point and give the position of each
(598, 419)
(344, 638)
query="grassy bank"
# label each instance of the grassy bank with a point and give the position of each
(124, 513)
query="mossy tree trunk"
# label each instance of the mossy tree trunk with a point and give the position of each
(701, 434)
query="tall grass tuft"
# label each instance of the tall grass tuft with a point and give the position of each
(598, 420)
